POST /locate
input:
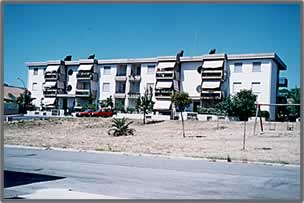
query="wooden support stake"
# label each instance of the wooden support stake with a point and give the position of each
(256, 117)
(261, 123)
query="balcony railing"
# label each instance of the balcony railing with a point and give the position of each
(134, 77)
(120, 95)
(86, 76)
(134, 94)
(49, 76)
(208, 74)
(52, 92)
(165, 75)
(211, 94)
(120, 77)
(83, 93)
(163, 93)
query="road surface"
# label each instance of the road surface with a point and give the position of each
(28, 171)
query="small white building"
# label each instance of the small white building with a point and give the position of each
(67, 84)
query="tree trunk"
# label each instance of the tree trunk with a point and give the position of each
(183, 124)
(244, 135)
(144, 117)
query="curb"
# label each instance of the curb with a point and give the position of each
(149, 155)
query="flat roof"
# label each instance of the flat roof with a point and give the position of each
(230, 57)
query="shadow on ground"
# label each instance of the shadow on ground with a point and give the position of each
(13, 178)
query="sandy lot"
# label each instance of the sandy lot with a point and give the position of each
(204, 139)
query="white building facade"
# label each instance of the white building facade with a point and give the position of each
(208, 79)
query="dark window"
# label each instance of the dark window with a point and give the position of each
(70, 72)
(69, 88)
(256, 67)
(35, 71)
(238, 67)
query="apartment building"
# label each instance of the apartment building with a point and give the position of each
(70, 84)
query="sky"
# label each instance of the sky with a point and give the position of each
(41, 32)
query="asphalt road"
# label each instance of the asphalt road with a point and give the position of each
(145, 177)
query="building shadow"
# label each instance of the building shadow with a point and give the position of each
(14, 178)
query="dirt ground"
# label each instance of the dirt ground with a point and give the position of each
(204, 139)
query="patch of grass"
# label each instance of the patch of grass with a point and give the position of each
(100, 149)
(216, 157)
(275, 161)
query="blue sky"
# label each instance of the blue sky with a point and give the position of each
(39, 32)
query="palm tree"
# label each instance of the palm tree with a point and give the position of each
(120, 127)
(181, 101)
(25, 100)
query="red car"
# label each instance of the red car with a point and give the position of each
(103, 113)
(85, 113)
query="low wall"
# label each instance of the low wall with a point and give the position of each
(45, 113)
(210, 117)
(141, 116)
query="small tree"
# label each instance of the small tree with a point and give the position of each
(226, 106)
(145, 104)
(181, 100)
(294, 98)
(244, 104)
(107, 103)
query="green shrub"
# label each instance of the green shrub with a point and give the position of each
(119, 106)
(212, 111)
(131, 110)
(89, 106)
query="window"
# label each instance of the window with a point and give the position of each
(120, 87)
(151, 69)
(121, 70)
(238, 67)
(107, 70)
(106, 87)
(34, 87)
(256, 67)
(256, 87)
(70, 72)
(236, 87)
(35, 71)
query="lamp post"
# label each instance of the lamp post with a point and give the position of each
(21, 81)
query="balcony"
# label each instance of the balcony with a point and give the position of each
(51, 92)
(283, 82)
(134, 94)
(49, 76)
(120, 77)
(83, 93)
(86, 76)
(163, 94)
(212, 74)
(165, 75)
(134, 77)
(120, 95)
(212, 94)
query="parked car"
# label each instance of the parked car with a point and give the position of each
(85, 113)
(103, 113)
